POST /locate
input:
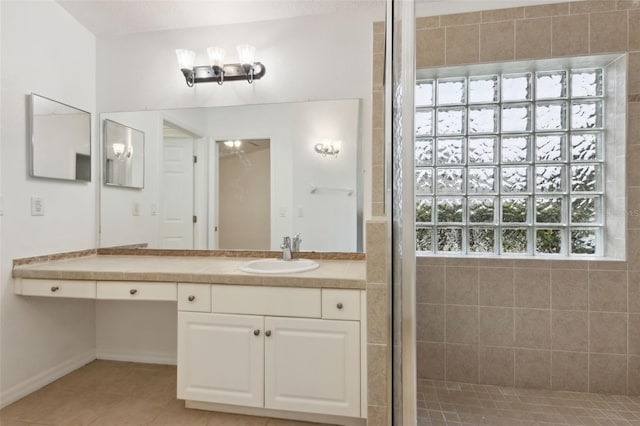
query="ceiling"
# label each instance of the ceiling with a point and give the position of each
(113, 17)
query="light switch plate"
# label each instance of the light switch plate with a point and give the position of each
(37, 206)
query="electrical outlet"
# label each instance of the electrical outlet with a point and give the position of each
(37, 206)
(136, 208)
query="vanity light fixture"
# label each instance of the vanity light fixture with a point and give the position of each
(217, 71)
(328, 147)
(120, 152)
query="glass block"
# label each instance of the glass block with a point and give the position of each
(424, 93)
(483, 89)
(424, 122)
(585, 146)
(551, 116)
(451, 91)
(516, 118)
(424, 209)
(481, 180)
(515, 179)
(450, 181)
(551, 84)
(584, 241)
(483, 119)
(481, 240)
(514, 210)
(549, 210)
(586, 177)
(424, 181)
(482, 149)
(450, 150)
(514, 240)
(449, 239)
(516, 87)
(451, 121)
(449, 210)
(548, 241)
(424, 239)
(515, 149)
(549, 178)
(423, 152)
(481, 210)
(551, 147)
(586, 115)
(585, 209)
(586, 83)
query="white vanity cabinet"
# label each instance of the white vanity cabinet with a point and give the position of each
(263, 356)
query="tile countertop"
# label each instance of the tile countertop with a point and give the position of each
(186, 269)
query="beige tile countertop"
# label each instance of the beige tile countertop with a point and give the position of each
(188, 269)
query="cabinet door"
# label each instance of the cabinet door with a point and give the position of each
(312, 365)
(221, 358)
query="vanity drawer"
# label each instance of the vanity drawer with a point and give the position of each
(341, 304)
(194, 297)
(80, 289)
(258, 300)
(135, 290)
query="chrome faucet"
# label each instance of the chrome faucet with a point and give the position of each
(286, 248)
(295, 245)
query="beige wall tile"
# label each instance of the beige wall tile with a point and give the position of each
(532, 263)
(378, 27)
(377, 415)
(462, 363)
(430, 47)
(533, 38)
(633, 158)
(377, 208)
(634, 29)
(634, 292)
(633, 121)
(634, 375)
(377, 374)
(427, 22)
(608, 32)
(462, 44)
(570, 35)
(591, 6)
(496, 366)
(378, 70)
(502, 14)
(376, 252)
(496, 326)
(546, 10)
(570, 371)
(608, 374)
(633, 75)
(606, 265)
(497, 41)
(627, 4)
(532, 288)
(532, 328)
(461, 286)
(430, 284)
(533, 369)
(378, 43)
(460, 19)
(496, 286)
(570, 330)
(461, 262)
(377, 305)
(377, 184)
(461, 324)
(430, 360)
(430, 322)
(569, 289)
(569, 264)
(633, 249)
(608, 291)
(634, 334)
(608, 333)
(377, 147)
(377, 120)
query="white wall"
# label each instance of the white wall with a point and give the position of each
(44, 50)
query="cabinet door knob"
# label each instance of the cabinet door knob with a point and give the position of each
(55, 288)
(191, 298)
(339, 305)
(256, 332)
(267, 333)
(133, 291)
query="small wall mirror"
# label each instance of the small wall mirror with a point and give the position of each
(124, 155)
(60, 140)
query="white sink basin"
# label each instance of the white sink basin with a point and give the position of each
(279, 266)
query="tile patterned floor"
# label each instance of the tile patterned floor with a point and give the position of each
(447, 403)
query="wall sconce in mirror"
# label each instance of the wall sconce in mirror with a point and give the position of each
(217, 71)
(124, 155)
(328, 147)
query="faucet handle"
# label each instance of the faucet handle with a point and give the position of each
(286, 243)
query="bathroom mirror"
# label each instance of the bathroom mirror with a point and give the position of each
(123, 154)
(60, 140)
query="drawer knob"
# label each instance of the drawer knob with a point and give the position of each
(267, 333)
(191, 298)
(339, 305)
(133, 291)
(256, 332)
(54, 288)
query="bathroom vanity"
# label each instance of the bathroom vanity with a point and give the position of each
(289, 345)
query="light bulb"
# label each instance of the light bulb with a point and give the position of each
(216, 56)
(186, 58)
(118, 149)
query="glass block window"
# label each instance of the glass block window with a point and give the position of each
(511, 163)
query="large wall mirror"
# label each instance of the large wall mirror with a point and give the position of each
(123, 155)
(60, 140)
(242, 177)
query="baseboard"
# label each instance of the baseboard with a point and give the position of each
(42, 379)
(165, 358)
